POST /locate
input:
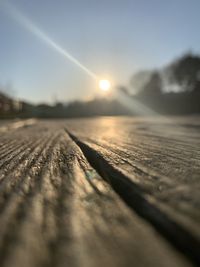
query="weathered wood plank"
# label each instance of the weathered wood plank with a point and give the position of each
(161, 157)
(56, 210)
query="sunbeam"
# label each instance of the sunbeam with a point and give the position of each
(30, 26)
(135, 106)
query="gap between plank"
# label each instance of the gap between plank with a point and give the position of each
(135, 198)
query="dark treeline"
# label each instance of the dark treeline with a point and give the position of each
(95, 107)
(174, 89)
(10, 108)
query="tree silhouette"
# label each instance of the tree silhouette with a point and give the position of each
(153, 86)
(139, 80)
(186, 73)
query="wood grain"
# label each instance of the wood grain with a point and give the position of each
(157, 159)
(56, 210)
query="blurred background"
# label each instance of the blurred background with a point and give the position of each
(54, 55)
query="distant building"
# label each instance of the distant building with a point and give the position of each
(5, 103)
(9, 105)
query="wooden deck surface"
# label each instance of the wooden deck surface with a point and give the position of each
(100, 192)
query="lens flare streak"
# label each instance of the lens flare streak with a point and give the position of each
(30, 26)
(132, 104)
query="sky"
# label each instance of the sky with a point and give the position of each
(112, 38)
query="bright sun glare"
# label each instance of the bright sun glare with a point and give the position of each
(104, 85)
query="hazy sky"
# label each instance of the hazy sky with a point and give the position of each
(113, 38)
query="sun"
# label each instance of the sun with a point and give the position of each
(104, 85)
